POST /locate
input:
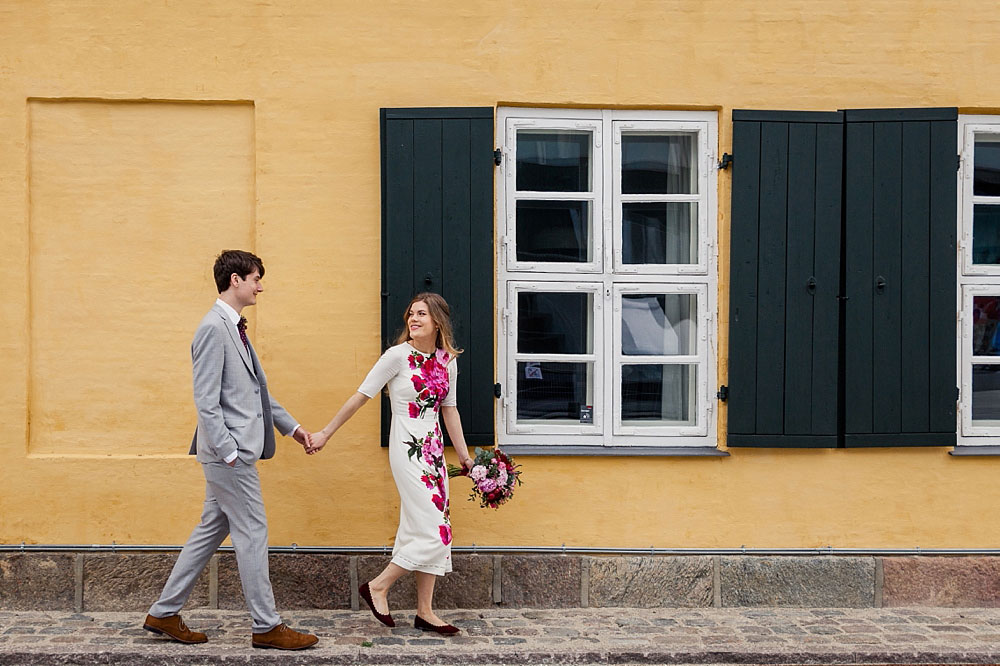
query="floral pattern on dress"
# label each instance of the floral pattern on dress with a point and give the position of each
(431, 383)
(430, 451)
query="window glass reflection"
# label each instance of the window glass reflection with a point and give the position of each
(660, 233)
(659, 394)
(553, 161)
(659, 324)
(986, 393)
(659, 164)
(553, 391)
(986, 175)
(555, 322)
(985, 333)
(558, 231)
(985, 234)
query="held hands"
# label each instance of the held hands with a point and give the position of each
(317, 441)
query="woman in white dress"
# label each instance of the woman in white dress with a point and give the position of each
(421, 372)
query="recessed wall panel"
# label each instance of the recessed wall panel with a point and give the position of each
(129, 203)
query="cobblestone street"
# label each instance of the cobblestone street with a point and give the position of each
(578, 636)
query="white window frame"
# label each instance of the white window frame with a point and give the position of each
(595, 197)
(973, 280)
(699, 359)
(701, 198)
(609, 278)
(597, 342)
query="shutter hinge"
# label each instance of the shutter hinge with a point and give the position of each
(497, 390)
(958, 394)
(726, 160)
(497, 156)
(958, 165)
(723, 393)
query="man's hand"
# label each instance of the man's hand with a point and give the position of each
(301, 435)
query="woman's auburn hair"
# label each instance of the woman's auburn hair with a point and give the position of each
(440, 313)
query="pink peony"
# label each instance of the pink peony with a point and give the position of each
(445, 534)
(502, 477)
(477, 473)
(487, 485)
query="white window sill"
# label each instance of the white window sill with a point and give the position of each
(585, 450)
(975, 450)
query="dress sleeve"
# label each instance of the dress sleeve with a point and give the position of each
(384, 369)
(451, 400)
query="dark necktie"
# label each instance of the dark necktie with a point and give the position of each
(242, 328)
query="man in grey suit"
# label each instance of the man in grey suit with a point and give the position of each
(236, 421)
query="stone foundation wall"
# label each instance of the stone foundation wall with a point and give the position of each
(131, 581)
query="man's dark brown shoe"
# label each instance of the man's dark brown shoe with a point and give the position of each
(175, 628)
(283, 638)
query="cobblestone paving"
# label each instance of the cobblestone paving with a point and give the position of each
(502, 636)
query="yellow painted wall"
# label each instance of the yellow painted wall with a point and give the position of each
(139, 138)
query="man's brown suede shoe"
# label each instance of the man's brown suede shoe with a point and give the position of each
(175, 628)
(283, 638)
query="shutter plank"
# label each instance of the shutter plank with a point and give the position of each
(742, 379)
(456, 265)
(859, 278)
(915, 254)
(428, 184)
(799, 300)
(827, 262)
(397, 237)
(943, 296)
(886, 339)
(771, 278)
(481, 411)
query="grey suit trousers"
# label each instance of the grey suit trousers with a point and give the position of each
(233, 506)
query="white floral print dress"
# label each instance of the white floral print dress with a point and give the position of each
(419, 385)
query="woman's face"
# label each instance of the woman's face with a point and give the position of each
(420, 324)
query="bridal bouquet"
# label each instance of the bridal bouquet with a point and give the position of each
(493, 475)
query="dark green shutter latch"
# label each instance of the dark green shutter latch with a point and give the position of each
(726, 160)
(497, 156)
(723, 393)
(496, 390)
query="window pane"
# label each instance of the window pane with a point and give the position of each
(985, 317)
(553, 391)
(553, 231)
(553, 161)
(985, 234)
(555, 322)
(986, 393)
(659, 164)
(659, 395)
(986, 179)
(660, 233)
(659, 324)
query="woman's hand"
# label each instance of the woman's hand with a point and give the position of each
(466, 461)
(317, 441)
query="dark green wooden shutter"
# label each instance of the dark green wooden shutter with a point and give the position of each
(437, 235)
(900, 226)
(785, 279)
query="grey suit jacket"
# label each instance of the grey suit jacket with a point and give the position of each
(235, 410)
